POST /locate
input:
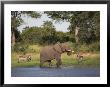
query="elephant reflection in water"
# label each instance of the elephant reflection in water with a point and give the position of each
(48, 53)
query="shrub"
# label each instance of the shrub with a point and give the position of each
(19, 47)
(93, 47)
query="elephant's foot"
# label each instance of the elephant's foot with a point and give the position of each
(58, 66)
(50, 64)
(41, 66)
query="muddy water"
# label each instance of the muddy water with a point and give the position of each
(56, 72)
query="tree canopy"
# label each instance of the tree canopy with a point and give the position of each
(87, 21)
(16, 21)
(84, 27)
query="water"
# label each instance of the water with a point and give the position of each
(55, 72)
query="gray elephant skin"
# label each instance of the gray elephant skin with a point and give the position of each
(48, 53)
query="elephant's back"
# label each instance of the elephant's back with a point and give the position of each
(46, 49)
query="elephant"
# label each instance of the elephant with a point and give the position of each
(48, 53)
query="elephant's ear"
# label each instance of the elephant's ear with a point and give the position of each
(63, 47)
(57, 48)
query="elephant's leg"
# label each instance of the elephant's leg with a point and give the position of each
(41, 63)
(58, 62)
(49, 62)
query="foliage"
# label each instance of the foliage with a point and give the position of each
(16, 21)
(93, 47)
(45, 35)
(20, 48)
(31, 35)
(87, 21)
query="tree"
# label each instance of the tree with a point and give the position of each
(16, 21)
(49, 32)
(83, 24)
(44, 35)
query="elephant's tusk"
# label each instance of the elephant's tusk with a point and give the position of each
(68, 50)
(72, 51)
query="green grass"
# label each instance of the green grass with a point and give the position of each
(90, 59)
(33, 62)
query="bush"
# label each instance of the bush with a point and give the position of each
(93, 47)
(74, 46)
(19, 47)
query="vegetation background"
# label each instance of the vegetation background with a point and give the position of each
(83, 36)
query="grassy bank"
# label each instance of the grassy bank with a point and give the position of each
(90, 59)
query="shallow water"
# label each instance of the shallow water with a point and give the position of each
(55, 72)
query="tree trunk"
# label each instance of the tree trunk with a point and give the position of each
(76, 34)
(13, 38)
(77, 38)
